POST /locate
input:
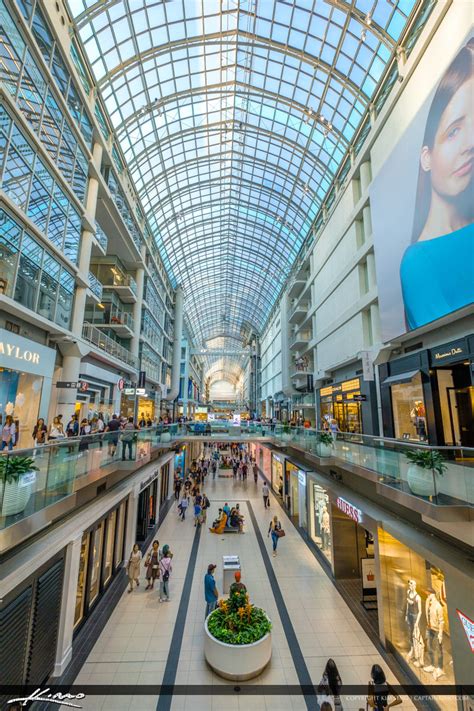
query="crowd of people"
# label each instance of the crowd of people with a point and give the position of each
(76, 426)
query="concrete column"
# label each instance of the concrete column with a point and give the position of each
(178, 337)
(137, 310)
(68, 606)
(365, 175)
(131, 522)
(81, 292)
(375, 323)
(286, 385)
(367, 220)
(371, 275)
(72, 354)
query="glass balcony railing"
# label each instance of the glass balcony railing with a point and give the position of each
(95, 286)
(35, 478)
(105, 343)
(101, 238)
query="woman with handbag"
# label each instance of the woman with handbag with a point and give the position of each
(277, 532)
(152, 565)
(329, 688)
(133, 567)
(379, 691)
(8, 434)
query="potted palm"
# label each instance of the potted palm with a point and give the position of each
(325, 444)
(17, 478)
(286, 434)
(237, 643)
(425, 464)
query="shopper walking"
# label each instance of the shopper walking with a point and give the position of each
(133, 567)
(39, 432)
(127, 437)
(255, 472)
(210, 590)
(329, 688)
(8, 434)
(183, 505)
(152, 565)
(379, 691)
(112, 430)
(205, 505)
(276, 532)
(266, 495)
(165, 572)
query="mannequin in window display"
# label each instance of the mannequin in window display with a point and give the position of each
(418, 417)
(434, 634)
(325, 529)
(412, 618)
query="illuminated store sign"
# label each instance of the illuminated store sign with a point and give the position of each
(349, 509)
(12, 351)
(448, 354)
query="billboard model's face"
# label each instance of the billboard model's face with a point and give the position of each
(451, 160)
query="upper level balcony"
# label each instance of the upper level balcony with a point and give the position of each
(299, 313)
(299, 340)
(113, 276)
(297, 287)
(45, 483)
(101, 240)
(103, 342)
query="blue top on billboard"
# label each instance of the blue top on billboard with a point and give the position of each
(422, 206)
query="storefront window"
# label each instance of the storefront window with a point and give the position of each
(109, 548)
(97, 542)
(277, 475)
(408, 406)
(81, 580)
(416, 612)
(20, 395)
(321, 525)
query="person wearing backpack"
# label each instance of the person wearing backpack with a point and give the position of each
(379, 691)
(165, 572)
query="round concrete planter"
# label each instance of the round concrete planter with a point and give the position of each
(237, 661)
(165, 437)
(324, 450)
(421, 480)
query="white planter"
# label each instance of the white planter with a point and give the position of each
(165, 437)
(421, 480)
(237, 662)
(324, 450)
(17, 494)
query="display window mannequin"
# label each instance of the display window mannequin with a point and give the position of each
(325, 528)
(434, 634)
(412, 618)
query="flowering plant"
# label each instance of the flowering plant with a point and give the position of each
(237, 621)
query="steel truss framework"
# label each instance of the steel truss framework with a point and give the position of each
(233, 117)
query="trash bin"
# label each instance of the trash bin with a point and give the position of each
(230, 564)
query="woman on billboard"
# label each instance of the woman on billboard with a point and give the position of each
(437, 269)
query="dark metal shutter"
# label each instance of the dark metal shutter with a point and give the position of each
(44, 625)
(14, 623)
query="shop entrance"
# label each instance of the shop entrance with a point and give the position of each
(456, 403)
(353, 560)
(146, 510)
(348, 417)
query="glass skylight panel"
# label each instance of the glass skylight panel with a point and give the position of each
(225, 142)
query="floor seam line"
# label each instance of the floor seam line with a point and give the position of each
(171, 668)
(302, 671)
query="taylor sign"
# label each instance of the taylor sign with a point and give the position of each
(349, 509)
(18, 353)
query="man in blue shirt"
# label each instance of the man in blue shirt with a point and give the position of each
(226, 509)
(210, 590)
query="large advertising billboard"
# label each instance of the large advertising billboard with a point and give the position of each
(422, 204)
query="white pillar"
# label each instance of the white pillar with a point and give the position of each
(365, 176)
(131, 530)
(178, 337)
(66, 621)
(371, 275)
(137, 307)
(72, 354)
(367, 220)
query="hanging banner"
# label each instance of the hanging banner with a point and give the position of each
(468, 625)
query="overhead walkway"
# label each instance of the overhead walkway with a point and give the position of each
(58, 478)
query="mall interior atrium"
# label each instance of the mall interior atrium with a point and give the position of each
(237, 355)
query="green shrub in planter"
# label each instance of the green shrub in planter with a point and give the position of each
(428, 459)
(236, 621)
(326, 438)
(12, 468)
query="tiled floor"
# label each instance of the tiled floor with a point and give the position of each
(133, 648)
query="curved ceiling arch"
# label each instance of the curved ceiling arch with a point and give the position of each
(298, 76)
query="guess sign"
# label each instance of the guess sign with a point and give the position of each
(349, 509)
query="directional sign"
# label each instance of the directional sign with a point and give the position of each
(67, 384)
(468, 625)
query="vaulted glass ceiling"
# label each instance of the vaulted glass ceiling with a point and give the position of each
(234, 116)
